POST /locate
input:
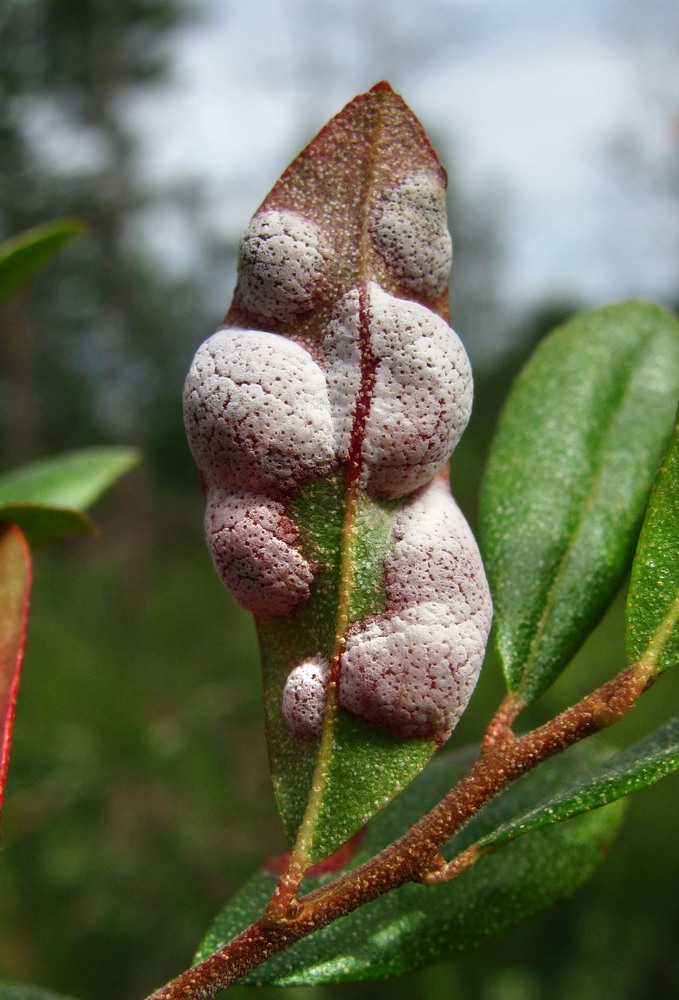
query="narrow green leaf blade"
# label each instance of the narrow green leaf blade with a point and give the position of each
(568, 478)
(416, 926)
(75, 479)
(653, 600)
(25, 254)
(46, 498)
(615, 777)
(15, 586)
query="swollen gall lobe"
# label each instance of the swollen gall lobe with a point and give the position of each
(336, 365)
(409, 230)
(257, 412)
(280, 264)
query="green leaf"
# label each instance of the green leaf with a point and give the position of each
(46, 498)
(11, 992)
(568, 479)
(614, 777)
(653, 600)
(15, 587)
(75, 479)
(416, 926)
(21, 256)
(340, 319)
(366, 765)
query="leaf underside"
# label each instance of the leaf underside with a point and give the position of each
(568, 479)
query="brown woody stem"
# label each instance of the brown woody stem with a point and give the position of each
(416, 855)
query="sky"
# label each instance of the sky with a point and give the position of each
(564, 113)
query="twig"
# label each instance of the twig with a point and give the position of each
(416, 855)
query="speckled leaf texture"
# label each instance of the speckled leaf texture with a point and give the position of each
(568, 480)
(653, 600)
(416, 926)
(606, 780)
(322, 415)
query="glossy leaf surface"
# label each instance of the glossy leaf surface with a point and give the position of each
(47, 498)
(25, 254)
(15, 585)
(653, 600)
(568, 479)
(416, 926)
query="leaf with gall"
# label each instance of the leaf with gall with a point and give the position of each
(322, 415)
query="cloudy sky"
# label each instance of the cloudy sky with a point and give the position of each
(567, 111)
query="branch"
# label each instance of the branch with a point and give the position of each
(416, 855)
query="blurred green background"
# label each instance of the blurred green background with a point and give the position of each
(138, 797)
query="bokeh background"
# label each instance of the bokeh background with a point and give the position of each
(138, 797)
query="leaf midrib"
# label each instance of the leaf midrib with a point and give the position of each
(302, 850)
(528, 691)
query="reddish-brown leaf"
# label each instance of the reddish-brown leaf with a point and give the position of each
(15, 585)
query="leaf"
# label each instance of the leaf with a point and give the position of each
(653, 600)
(21, 256)
(15, 585)
(321, 416)
(46, 498)
(568, 478)
(612, 778)
(416, 926)
(366, 765)
(75, 479)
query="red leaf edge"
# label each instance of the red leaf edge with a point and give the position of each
(15, 588)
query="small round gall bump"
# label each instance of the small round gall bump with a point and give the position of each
(257, 413)
(252, 543)
(281, 261)
(409, 230)
(304, 697)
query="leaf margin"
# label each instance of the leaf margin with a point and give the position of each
(24, 254)
(506, 517)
